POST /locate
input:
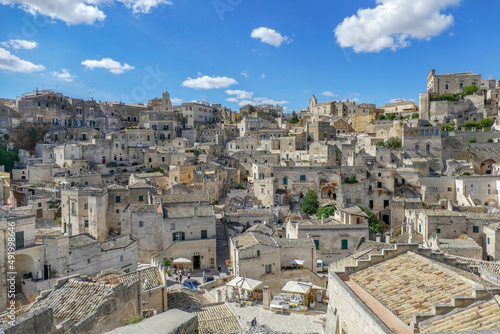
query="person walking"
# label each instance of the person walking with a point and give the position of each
(180, 278)
(176, 278)
(254, 322)
(189, 275)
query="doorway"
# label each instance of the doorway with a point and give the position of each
(196, 262)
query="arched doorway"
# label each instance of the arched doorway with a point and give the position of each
(328, 192)
(486, 166)
(25, 267)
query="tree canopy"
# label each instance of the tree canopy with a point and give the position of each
(294, 119)
(326, 210)
(310, 203)
(8, 158)
(374, 224)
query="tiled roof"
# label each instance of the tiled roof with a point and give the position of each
(300, 242)
(118, 242)
(81, 240)
(410, 284)
(261, 228)
(495, 226)
(354, 210)
(481, 315)
(216, 319)
(149, 278)
(76, 299)
(139, 185)
(142, 208)
(457, 243)
(441, 213)
(482, 215)
(188, 212)
(186, 299)
(185, 198)
(249, 239)
(493, 267)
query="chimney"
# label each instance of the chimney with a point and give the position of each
(378, 237)
(323, 219)
(387, 237)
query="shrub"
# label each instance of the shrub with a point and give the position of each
(294, 119)
(374, 224)
(381, 143)
(326, 210)
(469, 90)
(391, 116)
(414, 115)
(310, 202)
(472, 140)
(393, 142)
(351, 180)
(486, 123)
(490, 140)
(381, 117)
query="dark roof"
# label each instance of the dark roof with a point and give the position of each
(142, 208)
(149, 278)
(185, 198)
(81, 240)
(118, 242)
(76, 299)
(300, 242)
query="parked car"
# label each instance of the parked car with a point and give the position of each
(191, 284)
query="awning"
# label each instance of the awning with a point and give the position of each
(182, 260)
(300, 287)
(298, 262)
(245, 283)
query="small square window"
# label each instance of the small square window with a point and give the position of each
(141, 198)
(344, 244)
(141, 223)
(438, 230)
(121, 258)
(475, 229)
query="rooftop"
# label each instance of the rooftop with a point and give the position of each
(185, 198)
(189, 212)
(118, 242)
(216, 319)
(76, 299)
(81, 240)
(409, 284)
(149, 278)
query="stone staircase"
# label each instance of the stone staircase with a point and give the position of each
(222, 245)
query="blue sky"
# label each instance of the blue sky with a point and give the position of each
(240, 51)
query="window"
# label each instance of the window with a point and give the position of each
(258, 253)
(417, 147)
(172, 226)
(117, 199)
(285, 181)
(474, 83)
(488, 240)
(344, 244)
(141, 223)
(20, 239)
(419, 228)
(141, 198)
(461, 85)
(316, 243)
(379, 184)
(121, 258)
(370, 204)
(446, 86)
(269, 269)
(179, 236)
(386, 203)
(449, 189)
(88, 261)
(302, 178)
(428, 147)
(438, 230)
(86, 223)
(204, 234)
(117, 210)
(475, 229)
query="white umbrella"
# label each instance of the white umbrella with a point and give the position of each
(299, 287)
(298, 262)
(245, 283)
(182, 260)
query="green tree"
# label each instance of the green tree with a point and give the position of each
(414, 115)
(391, 116)
(393, 142)
(490, 140)
(8, 158)
(310, 203)
(381, 117)
(326, 210)
(380, 143)
(469, 90)
(351, 180)
(374, 224)
(472, 140)
(486, 123)
(294, 119)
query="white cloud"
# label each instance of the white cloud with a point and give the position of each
(13, 63)
(269, 36)
(81, 11)
(327, 93)
(176, 100)
(392, 23)
(144, 6)
(112, 65)
(206, 82)
(20, 44)
(245, 74)
(232, 99)
(262, 76)
(240, 94)
(64, 75)
(265, 100)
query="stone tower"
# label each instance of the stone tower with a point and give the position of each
(312, 102)
(166, 103)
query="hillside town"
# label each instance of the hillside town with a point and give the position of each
(343, 217)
